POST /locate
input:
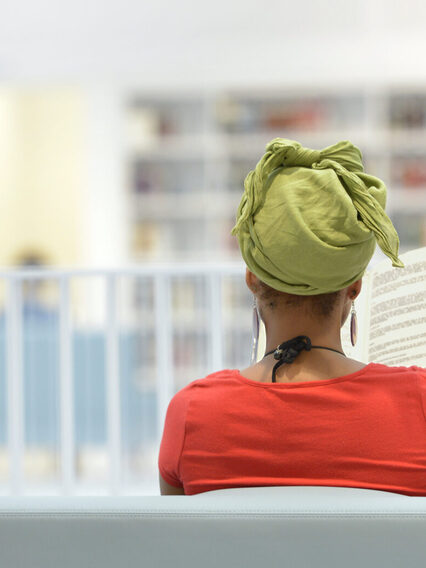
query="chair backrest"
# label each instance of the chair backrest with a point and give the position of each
(286, 526)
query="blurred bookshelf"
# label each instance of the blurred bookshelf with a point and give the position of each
(188, 155)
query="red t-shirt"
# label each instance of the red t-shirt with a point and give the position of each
(366, 429)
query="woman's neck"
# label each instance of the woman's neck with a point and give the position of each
(322, 336)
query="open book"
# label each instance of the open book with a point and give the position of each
(391, 315)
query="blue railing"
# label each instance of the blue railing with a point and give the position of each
(101, 376)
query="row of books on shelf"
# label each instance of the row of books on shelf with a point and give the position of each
(409, 172)
(153, 119)
(179, 177)
(173, 236)
(183, 177)
(186, 236)
(196, 323)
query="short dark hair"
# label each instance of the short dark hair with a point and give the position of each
(320, 305)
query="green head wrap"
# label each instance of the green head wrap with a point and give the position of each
(309, 220)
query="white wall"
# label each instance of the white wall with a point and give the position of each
(105, 232)
(189, 42)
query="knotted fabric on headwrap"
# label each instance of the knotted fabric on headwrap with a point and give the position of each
(309, 220)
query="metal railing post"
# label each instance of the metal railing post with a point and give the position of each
(215, 313)
(113, 386)
(66, 391)
(164, 346)
(15, 384)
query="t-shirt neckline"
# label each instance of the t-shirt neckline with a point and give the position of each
(303, 384)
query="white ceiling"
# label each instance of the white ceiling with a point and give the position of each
(193, 42)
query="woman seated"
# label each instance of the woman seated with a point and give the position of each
(305, 414)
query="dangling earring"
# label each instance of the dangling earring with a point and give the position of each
(354, 324)
(255, 333)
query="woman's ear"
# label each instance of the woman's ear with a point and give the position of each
(250, 280)
(355, 289)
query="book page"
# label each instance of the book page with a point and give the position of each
(397, 334)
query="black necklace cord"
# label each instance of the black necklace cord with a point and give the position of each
(288, 351)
